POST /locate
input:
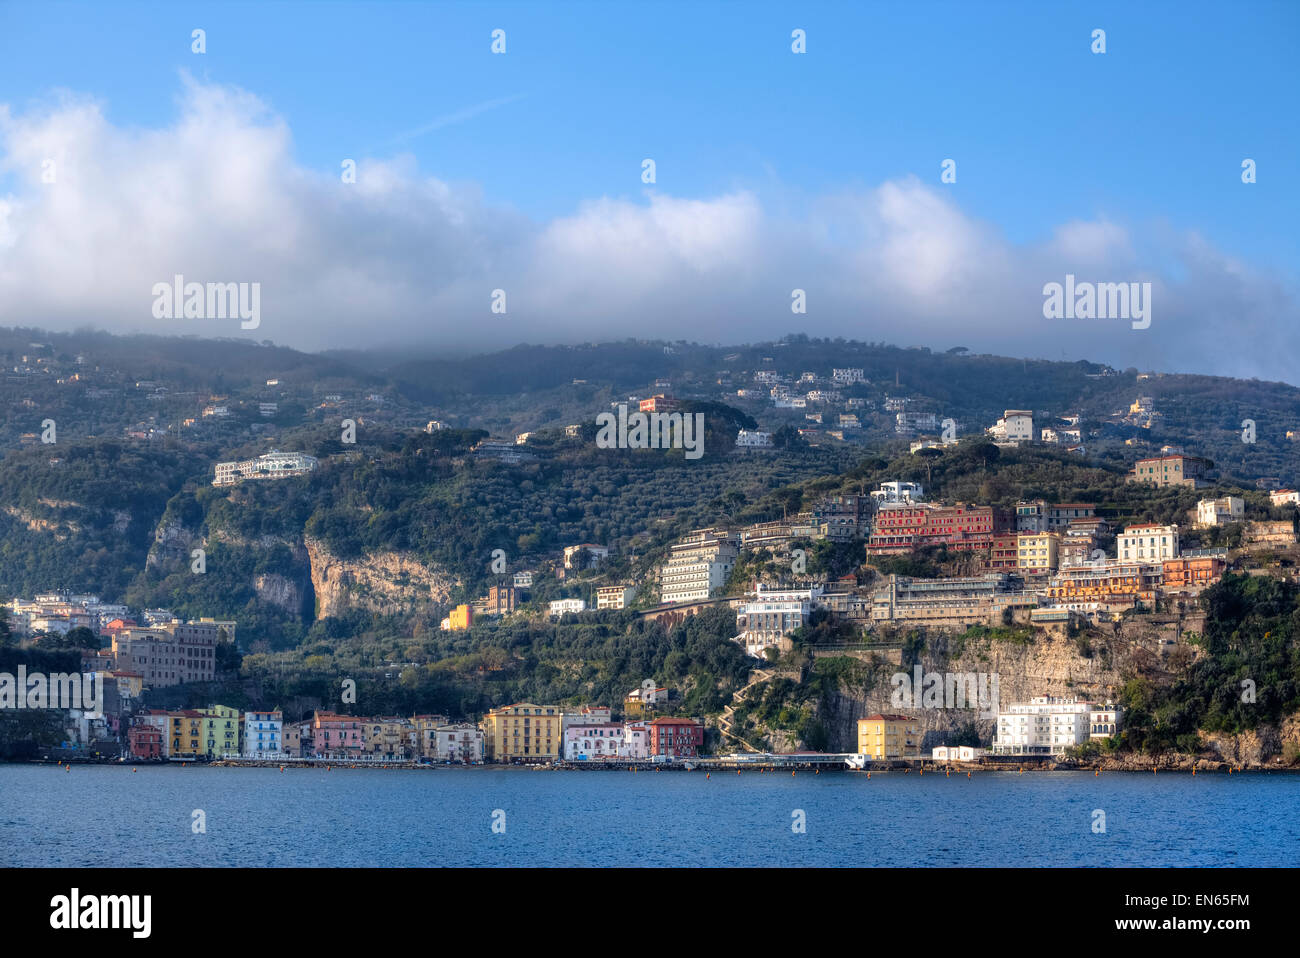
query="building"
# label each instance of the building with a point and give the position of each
(957, 753)
(168, 655)
(1171, 471)
(1016, 425)
(565, 606)
(145, 741)
(220, 731)
(1109, 586)
(584, 555)
(645, 698)
(697, 564)
(501, 600)
(675, 737)
(902, 528)
(263, 734)
(524, 580)
(185, 734)
(1147, 542)
(615, 596)
(847, 377)
(523, 732)
(753, 439)
(1037, 552)
(911, 423)
(460, 743)
(273, 465)
(1216, 512)
(1048, 725)
(337, 736)
(587, 743)
(1041, 516)
(1284, 497)
(659, 403)
(885, 736)
(894, 492)
(389, 737)
(460, 618)
(959, 600)
(1193, 571)
(772, 614)
(1004, 551)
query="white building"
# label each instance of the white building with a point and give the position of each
(846, 377)
(1016, 425)
(697, 564)
(561, 606)
(772, 615)
(910, 423)
(585, 743)
(459, 742)
(753, 439)
(1215, 512)
(263, 734)
(1049, 725)
(1147, 542)
(1282, 497)
(524, 580)
(615, 596)
(273, 465)
(583, 555)
(896, 492)
(958, 753)
(636, 741)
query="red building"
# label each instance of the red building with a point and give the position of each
(1004, 553)
(675, 736)
(961, 527)
(145, 741)
(659, 403)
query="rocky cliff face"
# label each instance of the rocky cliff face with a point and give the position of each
(385, 582)
(1052, 664)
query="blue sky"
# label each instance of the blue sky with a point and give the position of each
(1149, 135)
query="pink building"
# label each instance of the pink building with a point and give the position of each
(334, 734)
(596, 742)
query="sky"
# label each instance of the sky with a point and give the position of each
(127, 158)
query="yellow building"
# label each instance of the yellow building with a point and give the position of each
(185, 734)
(462, 617)
(1038, 551)
(220, 730)
(523, 731)
(882, 736)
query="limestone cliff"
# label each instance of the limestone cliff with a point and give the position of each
(383, 582)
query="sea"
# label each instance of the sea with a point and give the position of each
(197, 816)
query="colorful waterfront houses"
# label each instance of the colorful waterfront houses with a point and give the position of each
(425, 726)
(336, 735)
(145, 741)
(185, 733)
(524, 731)
(390, 738)
(264, 734)
(885, 736)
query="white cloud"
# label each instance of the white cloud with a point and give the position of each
(400, 256)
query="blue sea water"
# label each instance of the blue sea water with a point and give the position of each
(111, 816)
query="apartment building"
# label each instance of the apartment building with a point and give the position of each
(615, 596)
(911, 423)
(961, 600)
(1048, 725)
(523, 732)
(220, 735)
(1171, 471)
(884, 736)
(584, 555)
(1193, 571)
(565, 606)
(273, 465)
(459, 743)
(697, 564)
(890, 493)
(1110, 586)
(594, 743)
(675, 737)
(1217, 512)
(168, 655)
(1016, 425)
(1037, 552)
(337, 736)
(1147, 542)
(902, 528)
(771, 615)
(1042, 516)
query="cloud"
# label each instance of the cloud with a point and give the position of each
(403, 257)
